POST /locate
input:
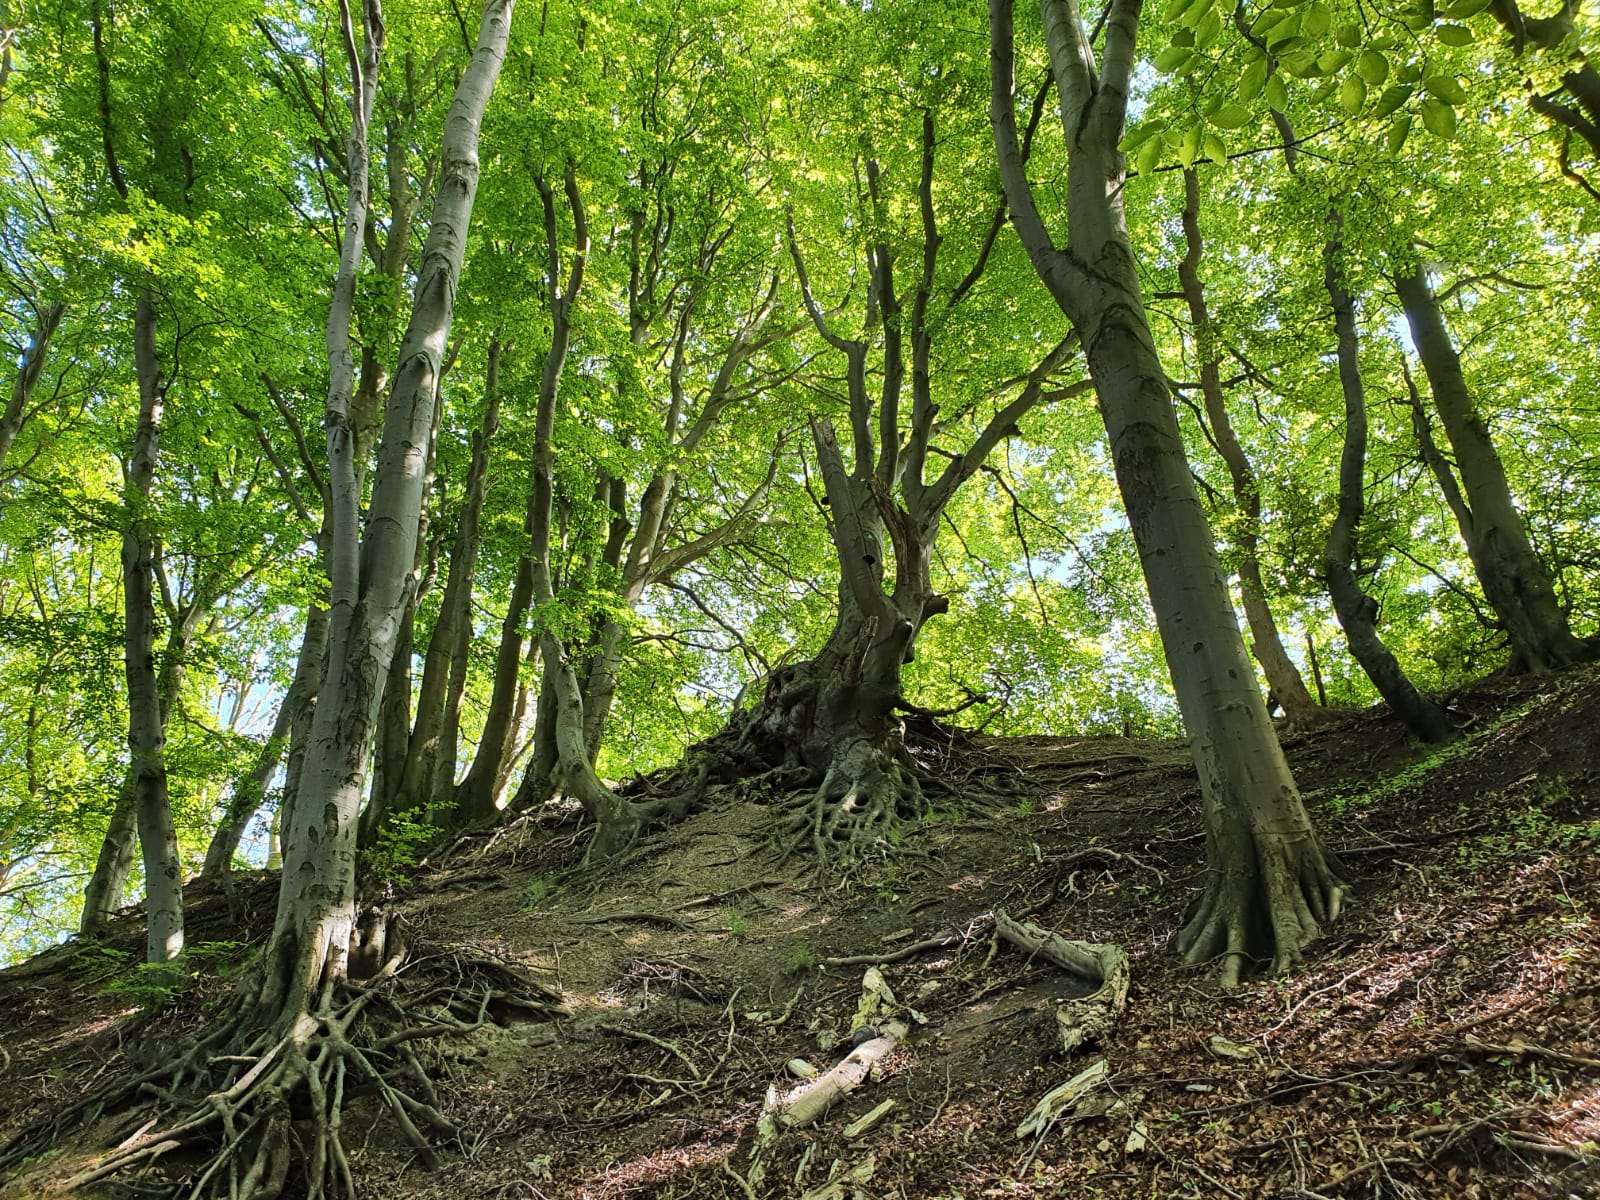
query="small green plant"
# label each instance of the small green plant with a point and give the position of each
(802, 960)
(540, 889)
(150, 986)
(738, 924)
(398, 847)
(1024, 806)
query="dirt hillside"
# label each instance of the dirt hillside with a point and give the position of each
(629, 1023)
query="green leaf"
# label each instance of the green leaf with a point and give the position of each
(1183, 37)
(1189, 150)
(1373, 67)
(1197, 12)
(1208, 29)
(1447, 87)
(1466, 8)
(1216, 149)
(1352, 94)
(1438, 117)
(1331, 61)
(1268, 20)
(1392, 98)
(1251, 82)
(1149, 156)
(1231, 116)
(1174, 10)
(1300, 64)
(1318, 20)
(1398, 129)
(1350, 36)
(1138, 136)
(1454, 35)
(1277, 92)
(1172, 59)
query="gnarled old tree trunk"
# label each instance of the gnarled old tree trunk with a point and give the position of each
(1269, 885)
(1514, 580)
(835, 714)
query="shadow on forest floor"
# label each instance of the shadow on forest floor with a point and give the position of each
(1443, 1038)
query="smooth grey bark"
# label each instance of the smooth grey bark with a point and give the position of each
(1283, 677)
(1514, 580)
(158, 839)
(1357, 611)
(1270, 885)
(427, 772)
(103, 894)
(372, 574)
(26, 381)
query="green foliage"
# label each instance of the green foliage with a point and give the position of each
(540, 889)
(398, 846)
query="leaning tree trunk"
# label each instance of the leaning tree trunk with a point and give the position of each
(1358, 612)
(248, 795)
(103, 895)
(372, 576)
(1514, 580)
(1269, 884)
(29, 370)
(1283, 677)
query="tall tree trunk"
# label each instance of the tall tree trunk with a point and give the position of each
(616, 820)
(29, 370)
(372, 576)
(1358, 612)
(158, 839)
(1283, 677)
(1269, 884)
(1514, 581)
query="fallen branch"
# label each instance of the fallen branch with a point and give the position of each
(811, 1101)
(1082, 1019)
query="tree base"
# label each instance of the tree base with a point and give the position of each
(867, 792)
(1269, 902)
(260, 1108)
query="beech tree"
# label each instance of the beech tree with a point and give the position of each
(1270, 885)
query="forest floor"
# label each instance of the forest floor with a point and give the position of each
(1442, 1038)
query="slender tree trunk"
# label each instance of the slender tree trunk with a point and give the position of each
(1358, 612)
(539, 783)
(29, 370)
(1283, 677)
(158, 839)
(475, 797)
(1269, 884)
(248, 795)
(103, 896)
(1515, 582)
(373, 575)
(428, 770)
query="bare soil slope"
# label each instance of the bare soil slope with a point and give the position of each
(1442, 1040)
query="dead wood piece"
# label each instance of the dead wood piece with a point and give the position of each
(869, 1121)
(811, 1101)
(846, 1184)
(1088, 1018)
(1058, 1101)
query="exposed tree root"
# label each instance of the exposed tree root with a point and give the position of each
(1272, 896)
(866, 793)
(265, 1111)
